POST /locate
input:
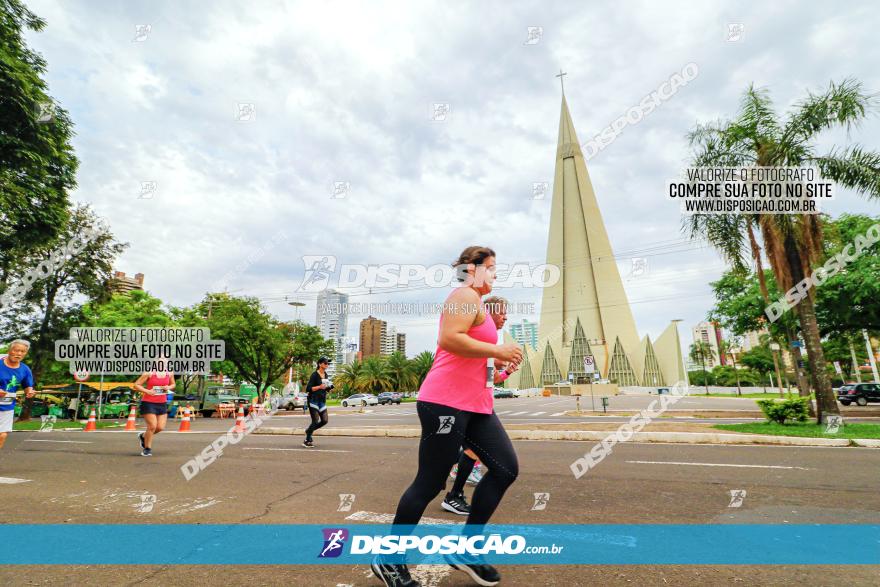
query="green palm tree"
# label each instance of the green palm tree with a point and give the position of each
(374, 375)
(700, 351)
(347, 375)
(792, 243)
(728, 348)
(400, 370)
(421, 365)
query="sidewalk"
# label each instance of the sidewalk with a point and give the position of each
(666, 432)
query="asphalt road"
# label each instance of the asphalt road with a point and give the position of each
(100, 478)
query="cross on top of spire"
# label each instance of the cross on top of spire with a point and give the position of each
(560, 75)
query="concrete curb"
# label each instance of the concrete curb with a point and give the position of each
(587, 435)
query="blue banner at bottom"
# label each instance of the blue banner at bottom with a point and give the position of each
(549, 544)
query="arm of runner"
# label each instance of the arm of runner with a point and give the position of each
(139, 384)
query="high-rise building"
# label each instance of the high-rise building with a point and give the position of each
(525, 333)
(332, 320)
(120, 283)
(586, 312)
(372, 336)
(389, 340)
(393, 341)
(709, 333)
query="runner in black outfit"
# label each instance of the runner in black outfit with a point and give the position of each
(316, 399)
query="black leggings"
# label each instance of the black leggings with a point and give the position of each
(465, 466)
(444, 431)
(318, 419)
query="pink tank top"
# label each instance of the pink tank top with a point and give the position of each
(460, 382)
(152, 381)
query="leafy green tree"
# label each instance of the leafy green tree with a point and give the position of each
(422, 363)
(400, 371)
(258, 347)
(374, 375)
(848, 301)
(83, 271)
(134, 309)
(347, 377)
(791, 242)
(37, 162)
(759, 359)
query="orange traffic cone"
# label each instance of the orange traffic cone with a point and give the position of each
(90, 425)
(132, 419)
(184, 423)
(239, 420)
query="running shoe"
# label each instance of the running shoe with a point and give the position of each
(308, 444)
(476, 474)
(457, 504)
(141, 439)
(475, 568)
(393, 575)
(147, 452)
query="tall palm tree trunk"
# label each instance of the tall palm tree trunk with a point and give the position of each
(802, 382)
(826, 403)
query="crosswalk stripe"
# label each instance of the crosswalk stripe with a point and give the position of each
(501, 413)
(12, 480)
(557, 414)
(519, 413)
(538, 413)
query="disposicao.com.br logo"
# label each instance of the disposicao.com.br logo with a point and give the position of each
(335, 538)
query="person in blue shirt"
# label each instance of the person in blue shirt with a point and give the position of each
(15, 376)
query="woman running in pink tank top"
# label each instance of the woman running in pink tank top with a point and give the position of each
(455, 408)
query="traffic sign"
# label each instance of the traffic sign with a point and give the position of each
(589, 364)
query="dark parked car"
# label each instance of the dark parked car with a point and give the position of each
(860, 393)
(390, 397)
(502, 392)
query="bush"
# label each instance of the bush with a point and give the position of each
(790, 409)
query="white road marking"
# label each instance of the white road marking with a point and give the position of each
(557, 414)
(538, 413)
(718, 465)
(519, 413)
(294, 449)
(12, 480)
(504, 412)
(389, 518)
(67, 441)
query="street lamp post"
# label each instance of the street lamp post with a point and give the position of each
(297, 305)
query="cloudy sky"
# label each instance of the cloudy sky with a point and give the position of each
(344, 92)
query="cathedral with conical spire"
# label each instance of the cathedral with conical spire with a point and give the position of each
(586, 312)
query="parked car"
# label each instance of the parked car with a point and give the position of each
(860, 393)
(360, 399)
(502, 392)
(390, 397)
(293, 401)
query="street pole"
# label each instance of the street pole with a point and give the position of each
(101, 391)
(871, 356)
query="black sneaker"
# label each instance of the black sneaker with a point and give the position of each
(141, 439)
(479, 572)
(457, 504)
(393, 575)
(147, 452)
(308, 444)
